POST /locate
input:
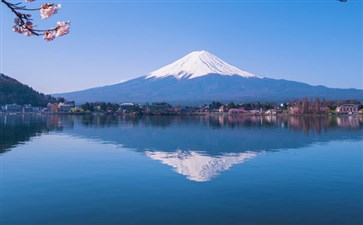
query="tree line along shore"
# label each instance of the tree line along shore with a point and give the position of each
(303, 106)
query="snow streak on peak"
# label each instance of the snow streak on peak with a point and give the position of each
(199, 167)
(197, 64)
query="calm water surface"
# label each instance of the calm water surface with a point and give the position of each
(181, 170)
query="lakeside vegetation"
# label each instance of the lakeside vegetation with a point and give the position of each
(294, 107)
(299, 106)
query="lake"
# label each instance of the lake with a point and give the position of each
(181, 170)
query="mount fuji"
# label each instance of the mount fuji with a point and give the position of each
(198, 64)
(201, 77)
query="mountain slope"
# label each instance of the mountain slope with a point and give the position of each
(201, 77)
(12, 91)
(208, 88)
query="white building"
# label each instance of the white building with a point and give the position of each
(347, 108)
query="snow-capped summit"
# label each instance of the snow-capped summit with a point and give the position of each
(197, 64)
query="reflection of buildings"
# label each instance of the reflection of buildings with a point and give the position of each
(197, 166)
(306, 124)
(59, 122)
(349, 121)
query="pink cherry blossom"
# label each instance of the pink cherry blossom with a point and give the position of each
(25, 29)
(62, 28)
(23, 22)
(22, 30)
(16, 29)
(49, 36)
(47, 10)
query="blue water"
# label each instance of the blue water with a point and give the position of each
(181, 170)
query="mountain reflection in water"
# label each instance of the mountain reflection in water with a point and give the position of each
(198, 147)
(197, 166)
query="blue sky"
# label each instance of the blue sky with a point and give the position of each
(316, 42)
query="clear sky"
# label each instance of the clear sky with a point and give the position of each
(317, 42)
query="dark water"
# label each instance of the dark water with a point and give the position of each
(181, 170)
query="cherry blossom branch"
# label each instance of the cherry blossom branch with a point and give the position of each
(24, 25)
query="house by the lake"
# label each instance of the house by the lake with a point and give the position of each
(347, 109)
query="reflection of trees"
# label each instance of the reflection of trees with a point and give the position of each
(251, 121)
(19, 129)
(128, 120)
(15, 129)
(56, 122)
(99, 121)
(308, 124)
(317, 124)
(160, 121)
(297, 123)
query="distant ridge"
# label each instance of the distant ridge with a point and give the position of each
(12, 91)
(201, 77)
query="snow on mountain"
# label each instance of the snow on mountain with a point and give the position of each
(199, 167)
(197, 64)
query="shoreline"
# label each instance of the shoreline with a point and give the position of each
(180, 114)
